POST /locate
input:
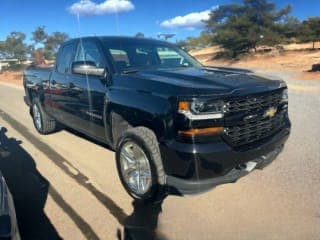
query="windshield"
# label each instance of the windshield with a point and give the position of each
(134, 55)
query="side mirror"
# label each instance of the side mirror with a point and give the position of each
(88, 68)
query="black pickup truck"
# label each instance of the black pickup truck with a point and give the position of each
(176, 126)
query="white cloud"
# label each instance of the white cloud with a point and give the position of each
(190, 21)
(89, 8)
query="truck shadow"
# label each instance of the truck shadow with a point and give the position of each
(143, 222)
(29, 189)
(88, 138)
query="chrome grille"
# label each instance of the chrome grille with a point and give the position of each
(250, 132)
(253, 103)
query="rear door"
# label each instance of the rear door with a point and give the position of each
(59, 101)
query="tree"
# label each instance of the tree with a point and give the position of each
(39, 35)
(240, 28)
(38, 56)
(30, 49)
(49, 43)
(139, 35)
(310, 30)
(14, 45)
(204, 40)
(2, 49)
(52, 44)
(289, 27)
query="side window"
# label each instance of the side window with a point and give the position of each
(120, 57)
(144, 56)
(65, 58)
(89, 51)
(133, 57)
(170, 58)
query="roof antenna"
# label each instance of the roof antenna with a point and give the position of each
(117, 22)
(82, 53)
(79, 27)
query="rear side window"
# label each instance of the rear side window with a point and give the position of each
(65, 58)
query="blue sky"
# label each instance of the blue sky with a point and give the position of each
(99, 17)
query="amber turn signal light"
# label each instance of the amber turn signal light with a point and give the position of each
(201, 131)
(183, 106)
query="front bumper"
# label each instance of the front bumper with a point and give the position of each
(204, 166)
(184, 187)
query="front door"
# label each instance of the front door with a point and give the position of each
(88, 92)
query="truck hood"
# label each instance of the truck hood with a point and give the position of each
(205, 81)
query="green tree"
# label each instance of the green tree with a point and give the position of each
(15, 46)
(49, 42)
(53, 43)
(139, 35)
(310, 30)
(2, 49)
(204, 40)
(39, 35)
(289, 27)
(238, 28)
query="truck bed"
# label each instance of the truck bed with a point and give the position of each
(35, 78)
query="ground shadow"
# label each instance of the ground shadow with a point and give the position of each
(86, 137)
(29, 189)
(143, 222)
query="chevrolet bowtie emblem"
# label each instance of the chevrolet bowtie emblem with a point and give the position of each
(270, 112)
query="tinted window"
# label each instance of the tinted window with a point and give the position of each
(65, 58)
(171, 58)
(133, 54)
(120, 58)
(89, 51)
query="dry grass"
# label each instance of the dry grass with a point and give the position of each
(11, 77)
(297, 58)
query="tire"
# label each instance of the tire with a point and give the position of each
(42, 122)
(136, 140)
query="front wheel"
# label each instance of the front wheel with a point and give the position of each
(139, 164)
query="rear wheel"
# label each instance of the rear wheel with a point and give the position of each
(139, 164)
(42, 121)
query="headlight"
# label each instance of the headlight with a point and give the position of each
(200, 110)
(284, 98)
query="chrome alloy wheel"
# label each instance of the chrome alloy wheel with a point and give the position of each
(37, 116)
(135, 168)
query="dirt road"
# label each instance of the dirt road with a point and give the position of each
(67, 187)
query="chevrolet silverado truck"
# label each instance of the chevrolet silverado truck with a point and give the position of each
(176, 126)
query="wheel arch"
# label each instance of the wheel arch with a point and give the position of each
(122, 120)
(127, 107)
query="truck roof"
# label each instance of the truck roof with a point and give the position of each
(121, 39)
